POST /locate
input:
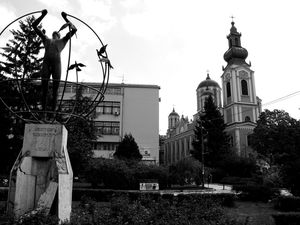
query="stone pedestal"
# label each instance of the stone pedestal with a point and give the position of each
(42, 176)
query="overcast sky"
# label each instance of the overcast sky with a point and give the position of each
(172, 43)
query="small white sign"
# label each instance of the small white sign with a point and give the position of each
(149, 186)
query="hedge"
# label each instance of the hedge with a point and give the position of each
(254, 192)
(122, 210)
(118, 174)
(105, 195)
(291, 218)
(225, 199)
(287, 203)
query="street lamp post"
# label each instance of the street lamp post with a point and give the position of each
(202, 155)
(202, 150)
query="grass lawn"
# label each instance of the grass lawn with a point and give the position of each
(252, 213)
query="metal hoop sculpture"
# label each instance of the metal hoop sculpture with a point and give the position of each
(36, 114)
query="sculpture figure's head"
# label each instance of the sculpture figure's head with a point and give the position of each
(55, 35)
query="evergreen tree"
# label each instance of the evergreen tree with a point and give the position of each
(128, 149)
(20, 59)
(210, 128)
(21, 54)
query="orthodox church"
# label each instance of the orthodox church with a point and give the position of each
(236, 100)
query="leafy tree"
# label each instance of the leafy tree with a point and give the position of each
(211, 128)
(81, 132)
(276, 137)
(277, 140)
(128, 149)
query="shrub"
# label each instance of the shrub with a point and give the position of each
(185, 171)
(254, 192)
(119, 174)
(237, 166)
(144, 210)
(239, 181)
(3, 193)
(287, 203)
(34, 219)
(159, 173)
(291, 218)
(224, 199)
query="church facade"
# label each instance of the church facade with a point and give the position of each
(236, 100)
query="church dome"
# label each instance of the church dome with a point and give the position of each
(208, 83)
(173, 113)
(207, 93)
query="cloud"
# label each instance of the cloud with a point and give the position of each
(156, 19)
(8, 15)
(55, 5)
(98, 13)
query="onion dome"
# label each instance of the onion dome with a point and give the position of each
(235, 53)
(208, 83)
(173, 113)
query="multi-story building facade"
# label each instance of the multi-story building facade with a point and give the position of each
(241, 107)
(126, 108)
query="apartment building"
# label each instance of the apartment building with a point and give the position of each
(126, 108)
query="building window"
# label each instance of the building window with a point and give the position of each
(107, 127)
(173, 152)
(247, 119)
(231, 141)
(182, 149)
(177, 150)
(109, 107)
(228, 89)
(106, 146)
(244, 87)
(249, 140)
(113, 91)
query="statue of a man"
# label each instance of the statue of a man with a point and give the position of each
(52, 62)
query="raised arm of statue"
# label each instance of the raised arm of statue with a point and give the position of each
(36, 23)
(73, 29)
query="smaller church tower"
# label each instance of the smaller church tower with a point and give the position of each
(173, 120)
(241, 105)
(206, 88)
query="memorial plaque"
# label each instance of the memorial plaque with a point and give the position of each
(42, 140)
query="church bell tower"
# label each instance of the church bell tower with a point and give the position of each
(240, 103)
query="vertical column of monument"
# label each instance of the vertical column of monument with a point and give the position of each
(43, 171)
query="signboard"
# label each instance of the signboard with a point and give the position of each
(147, 186)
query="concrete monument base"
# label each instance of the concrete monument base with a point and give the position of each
(42, 177)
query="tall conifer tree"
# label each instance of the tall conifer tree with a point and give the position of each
(211, 125)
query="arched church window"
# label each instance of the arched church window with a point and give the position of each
(230, 141)
(230, 43)
(247, 119)
(228, 89)
(249, 140)
(244, 87)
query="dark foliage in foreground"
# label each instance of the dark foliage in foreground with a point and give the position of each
(122, 210)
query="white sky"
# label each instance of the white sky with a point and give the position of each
(172, 43)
